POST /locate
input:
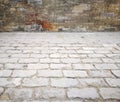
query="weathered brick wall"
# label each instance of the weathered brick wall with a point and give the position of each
(60, 15)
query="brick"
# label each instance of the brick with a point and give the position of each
(67, 51)
(85, 93)
(24, 48)
(73, 73)
(37, 46)
(84, 51)
(47, 93)
(7, 47)
(20, 55)
(57, 55)
(73, 48)
(30, 60)
(23, 73)
(83, 66)
(94, 82)
(110, 93)
(7, 82)
(109, 60)
(8, 60)
(4, 55)
(39, 55)
(106, 66)
(64, 82)
(13, 51)
(90, 48)
(117, 47)
(48, 60)
(64, 45)
(20, 94)
(91, 60)
(38, 66)
(115, 51)
(60, 66)
(109, 45)
(18, 45)
(103, 51)
(95, 48)
(14, 66)
(34, 82)
(1, 90)
(116, 73)
(113, 82)
(57, 48)
(31, 51)
(5, 73)
(100, 73)
(113, 55)
(77, 55)
(79, 44)
(70, 60)
(50, 73)
(48, 51)
(96, 55)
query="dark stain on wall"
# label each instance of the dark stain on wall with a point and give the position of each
(59, 15)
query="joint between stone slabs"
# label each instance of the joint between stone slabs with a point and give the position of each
(49, 66)
(3, 66)
(11, 73)
(2, 91)
(72, 68)
(62, 73)
(113, 74)
(21, 81)
(106, 82)
(100, 96)
(118, 65)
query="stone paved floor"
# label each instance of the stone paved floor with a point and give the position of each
(79, 67)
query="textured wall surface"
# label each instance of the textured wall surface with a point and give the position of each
(60, 15)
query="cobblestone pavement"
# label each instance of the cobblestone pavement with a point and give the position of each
(59, 67)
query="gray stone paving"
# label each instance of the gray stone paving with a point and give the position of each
(49, 67)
